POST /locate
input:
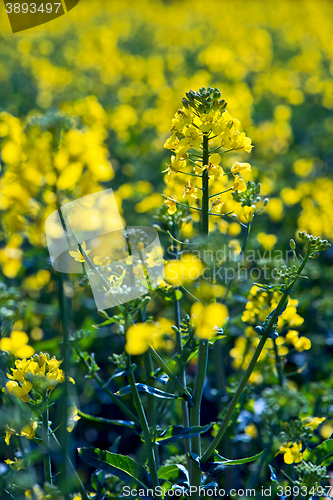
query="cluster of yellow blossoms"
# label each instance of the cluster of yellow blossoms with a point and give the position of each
(38, 176)
(189, 127)
(260, 304)
(292, 450)
(39, 372)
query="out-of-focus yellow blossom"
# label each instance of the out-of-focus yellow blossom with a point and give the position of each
(16, 344)
(207, 319)
(77, 254)
(261, 303)
(141, 335)
(73, 417)
(251, 430)
(275, 209)
(326, 430)
(313, 422)
(27, 431)
(244, 348)
(151, 202)
(300, 343)
(267, 240)
(11, 256)
(185, 270)
(37, 281)
(292, 453)
(171, 203)
(16, 464)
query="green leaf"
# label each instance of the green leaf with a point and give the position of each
(123, 372)
(124, 423)
(125, 468)
(220, 463)
(149, 390)
(173, 433)
(321, 455)
(178, 294)
(172, 472)
(240, 461)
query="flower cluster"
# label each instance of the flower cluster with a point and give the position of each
(39, 372)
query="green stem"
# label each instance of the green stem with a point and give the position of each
(182, 369)
(145, 429)
(243, 249)
(208, 453)
(46, 441)
(278, 363)
(64, 438)
(72, 468)
(168, 371)
(203, 344)
(115, 399)
(205, 189)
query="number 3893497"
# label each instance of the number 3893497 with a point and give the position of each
(17, 8)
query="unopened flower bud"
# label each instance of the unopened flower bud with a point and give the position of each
(292, 244)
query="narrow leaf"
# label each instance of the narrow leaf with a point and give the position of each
(149, 390)
(173, 433)
(124, 467)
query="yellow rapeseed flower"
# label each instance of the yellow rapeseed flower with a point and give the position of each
(16, 464)
(292, 453)
(183, 271)
(77, 254)
(207, 319)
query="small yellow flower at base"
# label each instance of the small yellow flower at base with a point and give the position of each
(248, 213)
(240, 167)
(239, 185)
(313, 422)
(14, 389)
(29, 430)
(16, 344)
(292, 453)
(206, 319)
(77, 256)
(191, 191)
(9, 432)
(16, 464)
(171, 203)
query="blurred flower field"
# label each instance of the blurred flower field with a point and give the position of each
(92, 101)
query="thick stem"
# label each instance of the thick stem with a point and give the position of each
(145, 429)
(64, 437)
(205, 189)
(182, 370)
(203, 345)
